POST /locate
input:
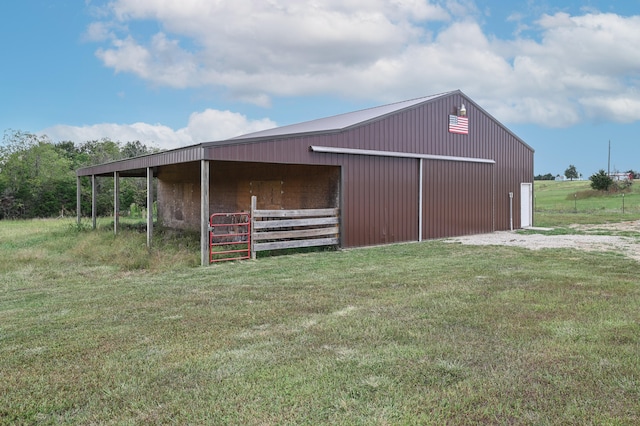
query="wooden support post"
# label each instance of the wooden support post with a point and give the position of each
(94, 202)
(149, 205)
(204, 212)
(78, 199)
(254, 204)
(116, 202)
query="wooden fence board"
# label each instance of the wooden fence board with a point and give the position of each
(312, 227)
(278, 245)
(292, 223)
(303, 233)
(296, 213)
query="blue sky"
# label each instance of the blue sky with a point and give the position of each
(562, 75)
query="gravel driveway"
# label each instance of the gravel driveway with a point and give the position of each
(629, 246)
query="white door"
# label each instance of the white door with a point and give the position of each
(526, 204)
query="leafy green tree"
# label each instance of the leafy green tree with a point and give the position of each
(571, 173)
(136, 149)
(35, 180)
(132, 190)
(98, 152)
(601, 181)
(37, 177)
(69, 150)
(548, 176)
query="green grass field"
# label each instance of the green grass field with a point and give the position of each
(566, 202)
(96, 329)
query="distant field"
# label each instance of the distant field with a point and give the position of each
(565, 202)
(96, 329)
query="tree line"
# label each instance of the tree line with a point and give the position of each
(571, 173)
(38, 179)
(601, 181)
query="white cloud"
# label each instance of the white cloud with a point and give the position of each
(602, 43)
(205, 126)
(128, 56)
(212, 125)
(258, 48)
(623, 108)
(98, 31)
(579, 63)
(571, 69)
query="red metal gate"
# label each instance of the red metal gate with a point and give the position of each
(229, 236)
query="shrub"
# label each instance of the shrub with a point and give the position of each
(600, 181)
(134, 210)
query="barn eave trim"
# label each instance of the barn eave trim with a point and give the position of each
(377, 153)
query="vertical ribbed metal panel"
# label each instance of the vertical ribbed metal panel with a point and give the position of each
(379, 194)
(380, 200)
(458, 198)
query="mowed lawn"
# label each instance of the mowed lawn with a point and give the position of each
(96, 330)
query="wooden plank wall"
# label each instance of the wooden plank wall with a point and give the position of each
(284, 229)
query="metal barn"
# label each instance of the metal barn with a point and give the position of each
(432, 167)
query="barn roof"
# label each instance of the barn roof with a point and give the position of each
(136, 166)
(333, 123)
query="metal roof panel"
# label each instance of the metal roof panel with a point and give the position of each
(336, 122)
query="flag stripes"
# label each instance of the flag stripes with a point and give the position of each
(458, 124)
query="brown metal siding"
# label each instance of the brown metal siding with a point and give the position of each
(380, 194)
(380, 200)
(514, 166)
(457, 198)
(380, 197)
(137, 166)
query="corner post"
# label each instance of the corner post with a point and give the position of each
(78, 199)
(254, 204)
(116, 202)
(149, 205)
(94, 202)
(205, 173)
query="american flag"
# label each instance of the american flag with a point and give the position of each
(458, 124)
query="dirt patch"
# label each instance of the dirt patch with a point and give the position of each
(629, 246)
